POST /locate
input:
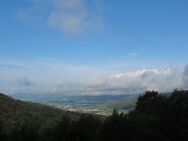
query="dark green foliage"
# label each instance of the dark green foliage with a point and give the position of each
(156, 117)
(26, 120)
(84, 129)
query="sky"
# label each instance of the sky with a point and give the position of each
(93, 47)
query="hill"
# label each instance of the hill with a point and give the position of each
(16, 113)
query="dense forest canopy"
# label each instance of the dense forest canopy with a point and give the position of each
(156, 117)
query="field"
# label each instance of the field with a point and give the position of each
(101, 105)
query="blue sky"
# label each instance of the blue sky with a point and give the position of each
(104, 36)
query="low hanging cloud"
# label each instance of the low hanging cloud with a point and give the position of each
(24, 82)
(57, 77)
(163, 80)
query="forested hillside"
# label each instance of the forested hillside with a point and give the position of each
(156, 117)
(30, 118)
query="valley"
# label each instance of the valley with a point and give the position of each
(100, 105)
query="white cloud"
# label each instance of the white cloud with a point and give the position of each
(52, 76)
(73, 17)
(137, 82)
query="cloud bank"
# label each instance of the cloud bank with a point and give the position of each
(49, 76)
(138, 81)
